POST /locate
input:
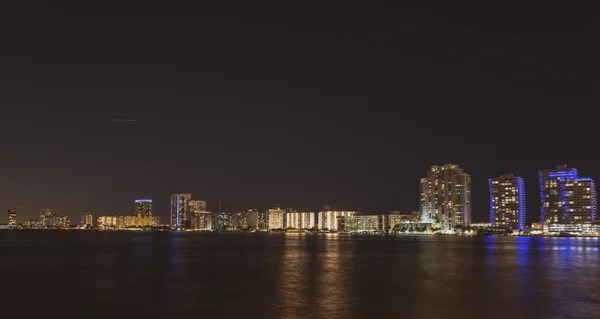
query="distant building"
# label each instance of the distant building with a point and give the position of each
(328, 220)
(292, 220)
(256, 219)
(566, 198)
(200, 218)
(12, 218)
(381, 223)
(179, 211)
(143, 207)
(107, 222)
(225, 221)
(306, 220)
(275, 218)
(445, 193)
(507, 203)
(50, 220)
(202, 221)
(87, 220)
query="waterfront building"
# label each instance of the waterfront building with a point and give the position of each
(481, 225)
(200, 218)
(179, 211)
(107, 222)
(256, 219)
(50, 220)
(292, 220)
(445, 197)
(566, 198)
(275, 218)
(87, 220)
(143, 207)
(328, 220)
(507, 203)
(202, 221)
(12, 218)
(306, 220)
(225, 221)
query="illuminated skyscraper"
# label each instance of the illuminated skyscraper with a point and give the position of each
(179, 210)
(12, 218)
(565, 197)
(143, 208)
(446, 196)
(507, 202)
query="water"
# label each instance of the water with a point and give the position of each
(79, 274)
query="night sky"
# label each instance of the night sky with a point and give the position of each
(291, 104)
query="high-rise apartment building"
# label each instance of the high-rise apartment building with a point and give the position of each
(87, 220)
(200, 218)
(256, 219)
(507, 202)
(12, 218)
(445, 197)
(566, 198)
(143, 207)
(275, 218)
(300, 220)
(179, 211)
(328, 220)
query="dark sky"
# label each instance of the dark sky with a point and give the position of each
(292, 104)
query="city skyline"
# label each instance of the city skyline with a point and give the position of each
(350, 117)
(197, 205)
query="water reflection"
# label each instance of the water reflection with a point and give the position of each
(332, 298)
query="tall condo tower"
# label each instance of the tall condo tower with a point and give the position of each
(143, 207)
(565, 197)
(179, 210)
(445, 196)
(507, 202)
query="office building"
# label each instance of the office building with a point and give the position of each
(87, 220)
(566, 198)
(328, 220)
(256, 219)
(179, 211)
(445, 197)
(275, 218)
(507, 203)
(143, 207)
(12, 218)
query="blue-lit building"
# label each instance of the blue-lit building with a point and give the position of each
(566, 198)
(507, 203)
(179, 211)
(143, 207)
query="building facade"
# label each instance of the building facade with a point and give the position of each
(87, 220)
(143, 207)
(12, 218)
(275, 218)
(566, 198)
(256, 219)
(445, 197)
(179, 211)
(328, 220)
(107, 222)
(507, 203)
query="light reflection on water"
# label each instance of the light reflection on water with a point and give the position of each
(189, 275)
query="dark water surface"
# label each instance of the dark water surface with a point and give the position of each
(79, 274)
